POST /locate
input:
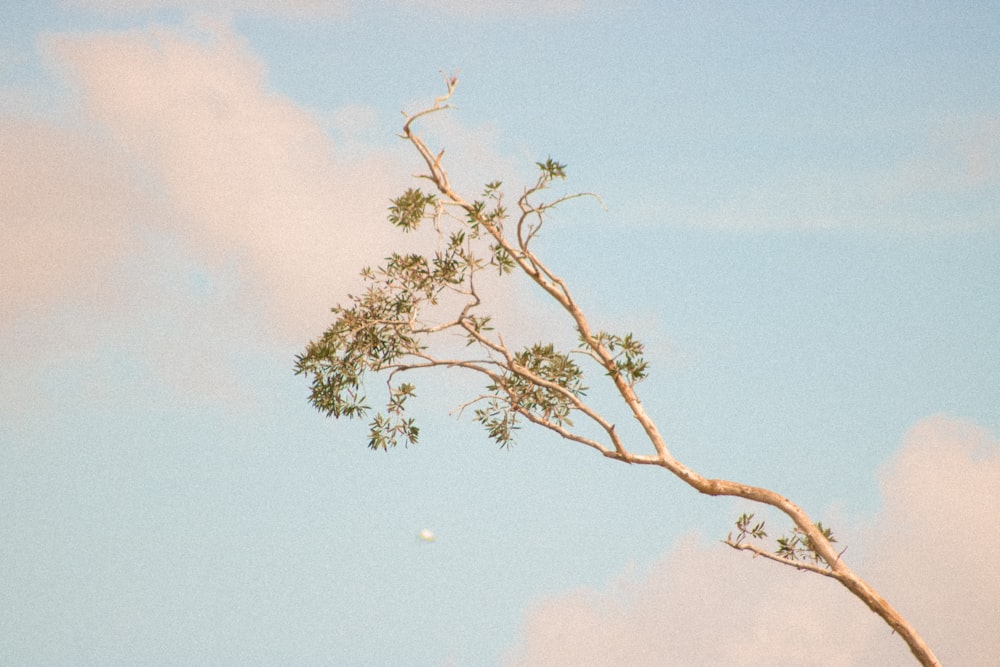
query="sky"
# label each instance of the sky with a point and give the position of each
(801, 221)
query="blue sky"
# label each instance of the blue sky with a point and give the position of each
(802, 221)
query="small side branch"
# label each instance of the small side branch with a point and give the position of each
(797, 564)
(383, 332)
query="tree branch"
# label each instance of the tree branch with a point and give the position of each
(550, 389)
(797, 564)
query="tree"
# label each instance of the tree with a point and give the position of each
(396, 326)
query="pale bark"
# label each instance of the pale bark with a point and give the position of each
(835, 567)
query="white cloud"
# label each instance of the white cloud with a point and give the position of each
(932, 551)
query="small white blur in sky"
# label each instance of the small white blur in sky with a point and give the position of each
(801, 221)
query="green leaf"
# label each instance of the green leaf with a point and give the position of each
(551, 169)
(409, 209)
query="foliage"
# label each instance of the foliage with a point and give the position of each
(388, 328)
(745, 530)
(412, 303)
(799, 546)
(795, 547)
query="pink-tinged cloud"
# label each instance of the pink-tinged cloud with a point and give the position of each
(933, 551)
(320, 8)
(180, 162)
(293, 8)
(935, 547)
(68, 207)
(500, 7)
(250, 177)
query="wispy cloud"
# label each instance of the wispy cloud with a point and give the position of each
(962, 156)
(946, 181)
(931, 551)
(320, 8)
(291, 8)
(501, 7)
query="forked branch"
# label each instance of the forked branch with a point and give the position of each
(390, 328)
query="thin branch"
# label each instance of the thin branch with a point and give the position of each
(556, 288)
(538, 380)
(498, 369)
(798, 565)
(451, 82)
(569, 435)
(458, 410)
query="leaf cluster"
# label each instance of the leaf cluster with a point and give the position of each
(797, 546)
(385, 331)
(552, 170)
(381, 326)
(388, 429)
(793, 547)
(489, 214)
(538, 384)
(627, 355)
(746, 528)
(410, 208)
(382, 329)
(369, 335)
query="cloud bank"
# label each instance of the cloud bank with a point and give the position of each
(932, 551)
(291, 8)
(180, 201)
(67, 211)
(245, 176)
(324, 8)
